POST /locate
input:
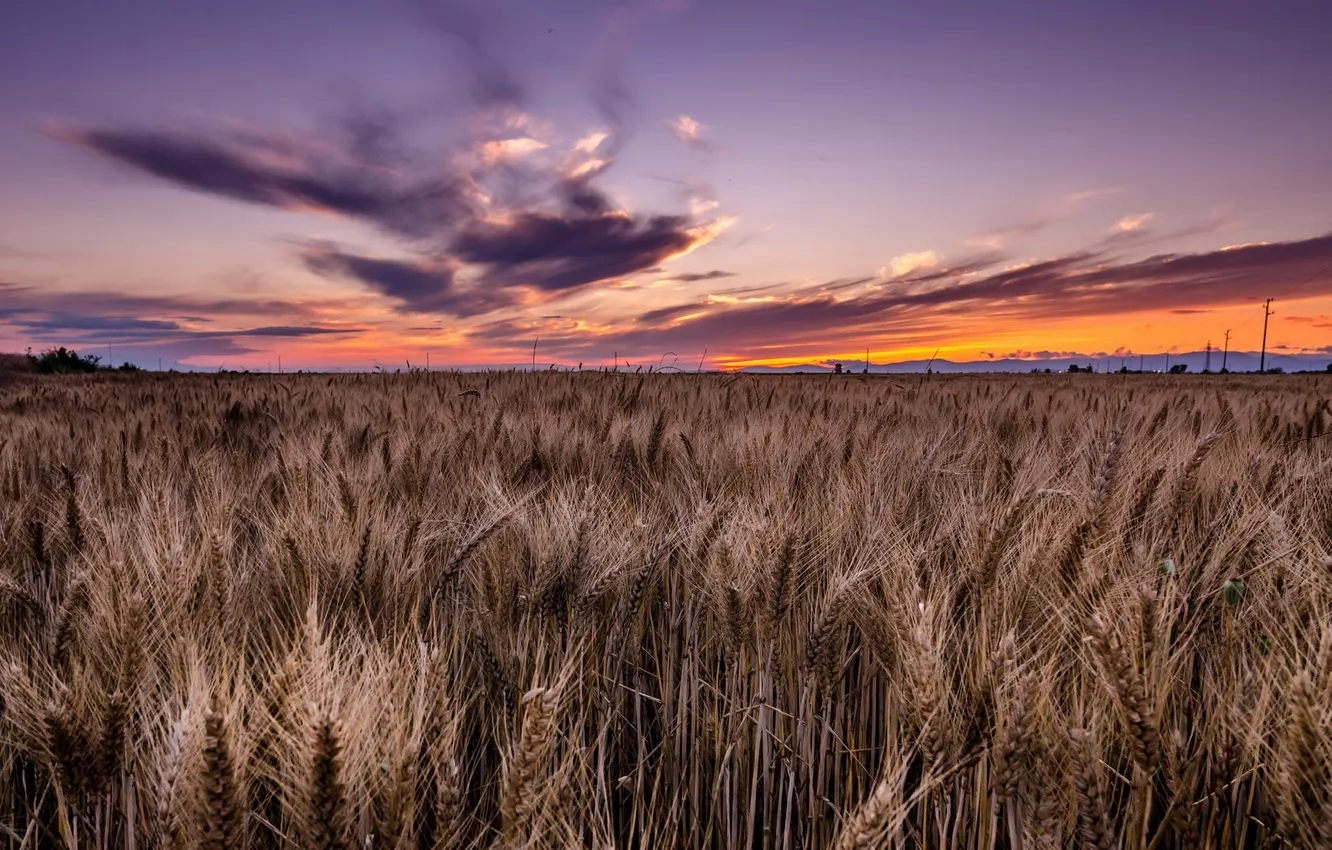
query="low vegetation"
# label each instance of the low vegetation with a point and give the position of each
(610, 610)
(58, 361)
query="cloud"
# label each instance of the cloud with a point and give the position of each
(669, 314)
(1132, 231)
(494, 83)
(1024, 354)
(288, 331)
(1132, 223)
(1077, 285)
(305, 177)
(587, 242)
(957, 269)
(143, 328)
(127, 329)
(1000, 238)
(20, 298)
(120, 327)
(425, 286)
(1186, 311)
(1078, 197)
(903, 264)
(497, 151)
(689, 131)
(696, 277)
(531, 226)
(132, 338)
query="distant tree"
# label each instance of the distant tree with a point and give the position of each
(1179, 368)
(62, 361)
(837, 368)
(1329, 367)
(1073, 367)
(1275, 370)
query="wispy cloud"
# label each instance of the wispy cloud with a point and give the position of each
(904, 264)
(1079, 284)
(697, 277)
(141, 326)
(422, 285)
(495, 83)
(689, 131)
(1312, 321)
(1000, 238)
(305, 177)
(1132, 223)
(1081, 195)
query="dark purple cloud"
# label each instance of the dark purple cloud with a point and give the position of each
(41, 316)
(126, 329)
(284, 331)
(554, 252)
(64, 322)
(1081, 284)
(565, 233)
(532, 232)
(20, 298)
(242, 169)
(696, 277)
(422, 285)
(666, 314)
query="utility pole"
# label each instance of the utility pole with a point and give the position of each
(1226, 351)
(1142, 359)
(1262, 358)
(1207, 362)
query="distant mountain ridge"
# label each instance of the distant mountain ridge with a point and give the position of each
(1236, 361)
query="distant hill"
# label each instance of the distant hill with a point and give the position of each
(1236, 361)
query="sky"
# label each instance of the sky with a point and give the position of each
(343, 184)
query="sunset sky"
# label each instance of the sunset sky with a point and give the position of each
(350, 184)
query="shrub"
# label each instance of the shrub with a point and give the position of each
(60, 361)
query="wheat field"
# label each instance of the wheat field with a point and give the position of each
(618, 610)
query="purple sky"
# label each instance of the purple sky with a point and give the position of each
(230, 181)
